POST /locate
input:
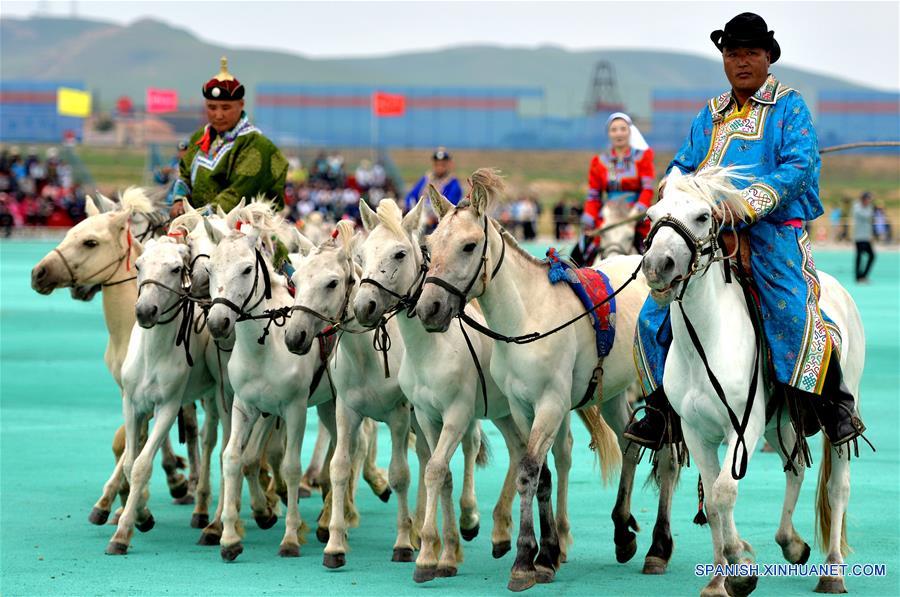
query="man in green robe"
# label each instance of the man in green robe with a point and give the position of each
(229, 158)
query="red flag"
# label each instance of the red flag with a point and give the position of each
(388, 104)
(161, 100)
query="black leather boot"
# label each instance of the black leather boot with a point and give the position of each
(835, 408)
(659, 425)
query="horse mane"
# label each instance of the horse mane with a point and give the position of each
(715, 186)
(391, 217)
(513, 244)
(141, 200)
(492, 182)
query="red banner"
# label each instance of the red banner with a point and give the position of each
(161, 100)
(388, 104)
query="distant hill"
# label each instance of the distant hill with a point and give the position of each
(114, 60)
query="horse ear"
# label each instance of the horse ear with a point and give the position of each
(90, 208)
(188, 208)
(479, 199)
(212, 232)
(104, 203)
(234, 215)
(369, 219)
(412, 221)
(441, 204)
(221, 212)
(304, 244)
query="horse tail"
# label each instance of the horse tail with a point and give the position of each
(484, 450)
(603, 442)
(823, 506)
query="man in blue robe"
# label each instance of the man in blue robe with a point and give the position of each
(765, 127)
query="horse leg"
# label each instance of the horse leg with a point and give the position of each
(469, 518)
(203, 492)
(562, 460)
(617, 413)
(130, 449)
(100, 512)
(212, 533)
(831, 506)
(251, 461)
(375, 477)
(666, 476)
(500, 534)
(548, 558)
(434, 471)
(327, 412)
(171, 463)
(544, 430)
(706, 456)
(724, 497)
(423, 454)
(191, 435)
(310, 479)
(275, 488)
(243, 417)
(398, 477)
(138, 471)
(794, 549)
(295, 426)
(348, 426)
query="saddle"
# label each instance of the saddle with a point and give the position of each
(729, 241)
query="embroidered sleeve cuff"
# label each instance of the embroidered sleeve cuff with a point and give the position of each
(759, 199)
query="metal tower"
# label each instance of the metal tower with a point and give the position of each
(603, 94)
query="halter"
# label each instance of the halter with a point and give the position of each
(411, 297)
(341, 318)
(481, 270)
(184, 306)
(698, 246)
(243, 312)
(116, 262)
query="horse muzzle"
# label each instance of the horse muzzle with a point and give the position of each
(221, 322)
(298, 340)
(435, 309)
(48, 275)
(368, 308)
(147, 315)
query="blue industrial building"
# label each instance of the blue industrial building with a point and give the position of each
(851, 116)
(28, 112)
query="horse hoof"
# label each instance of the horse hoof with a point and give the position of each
(543, 575)
(521, 581)
(98, 516)
(209, 539)
(199, 521)
(147, 524)
(116, 548)
(402, 554)
(740, 586)
(804, 557)
(469, 534)
(322, 534)
(625, 553)
(654, 565)
(446, 571)
(831, 584)
(424, 574)
(334, 560)
(289, 551)
(302, 493)
(230, 552)
(179, 490)
(501, 549)
(385, 495)
(185, 500)
(265, 522)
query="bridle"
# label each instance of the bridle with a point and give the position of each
(260, 272)
(115, 264)
(184, 306)
(480, 271)
(700, 247)
(409, 299)
(341, 319)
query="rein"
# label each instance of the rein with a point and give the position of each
(184, 306)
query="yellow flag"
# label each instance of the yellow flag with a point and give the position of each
(73, 102)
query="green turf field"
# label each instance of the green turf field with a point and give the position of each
(59, 407)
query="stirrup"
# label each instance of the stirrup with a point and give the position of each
(641, 441)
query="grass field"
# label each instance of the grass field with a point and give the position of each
(59, 407)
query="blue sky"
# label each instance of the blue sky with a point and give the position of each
(853, 40)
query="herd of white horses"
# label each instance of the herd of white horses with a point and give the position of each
(198, 311)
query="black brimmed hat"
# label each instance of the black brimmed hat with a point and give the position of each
(747, 30)
(440, 154)
(223, 86)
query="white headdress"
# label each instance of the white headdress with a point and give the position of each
(637, 140)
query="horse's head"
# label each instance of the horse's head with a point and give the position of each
(461, 262)
(685, 227)
(161, 277)
(193, 224)
(620, 239)
(391, 259)
(91, 252)
(323, 280)
(236, 276)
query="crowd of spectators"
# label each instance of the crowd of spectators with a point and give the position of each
(327, 187)
(840, 219)
(37, 191)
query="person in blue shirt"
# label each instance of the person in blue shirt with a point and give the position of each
(441, 176)
(168, 174)
(764, 126)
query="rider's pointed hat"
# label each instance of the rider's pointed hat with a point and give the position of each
(223, 86)
(747, 30)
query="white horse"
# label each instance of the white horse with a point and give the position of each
(473, 258)
(157, 377)
(719, 315)
(618, 230)
(100, 251)
(266, 377)
(447, 398)
(365, 381)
